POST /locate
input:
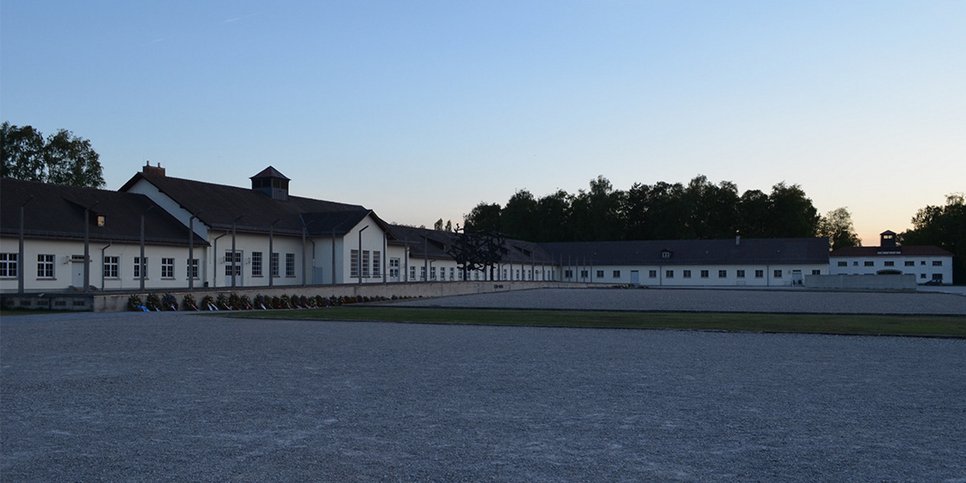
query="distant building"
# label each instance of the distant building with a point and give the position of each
(928, 263)
(738, 262)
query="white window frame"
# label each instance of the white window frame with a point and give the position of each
(9, 265)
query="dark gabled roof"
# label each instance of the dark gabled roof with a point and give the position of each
(433, 244)
(905, 250)
(692, 252)
(270, 172)
(57, 211)
(218, 206)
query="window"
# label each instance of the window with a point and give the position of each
(889, 263)
(722, 274)
(111, 265)
(740, 274)
(504, 274)
(567, 274)
(365, 264)
(167, 268)
(922, 262)
(354, 263)
(937, 263)
(600, 274)
(289, 264)
(233, 263)
(843, 264)
(704, 274)
(376, 264)
(759, 274)
(583, 274)
(8, 265)
(868, 263)
(669, 274)
(422, 273)
(432, 273)
(909, 263)
(922, 275)
(687, 274)
(394, 268)
(273, 264)
(937, 277)
(137, 267)
(855, 263)
(652, 274)
(256, 264)
(777, 274)
(45, 266)
(452, 273)
(666, 254)
(617, 274)
(816, 272)
(192, 268)
(412, 273)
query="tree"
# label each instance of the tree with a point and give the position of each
(62, 159)
(791, 213)
(945, 227)
(438, 226)
(519, 217)
(837, 226)
(483, 217)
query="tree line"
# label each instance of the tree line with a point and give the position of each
(60, 158)
(699, 209)
(945, 227)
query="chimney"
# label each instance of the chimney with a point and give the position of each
(153, 170)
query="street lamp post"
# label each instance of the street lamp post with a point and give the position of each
(20, 253)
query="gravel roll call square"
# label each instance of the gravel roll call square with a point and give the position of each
(185, 397)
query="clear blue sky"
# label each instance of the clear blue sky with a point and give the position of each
(422, 109)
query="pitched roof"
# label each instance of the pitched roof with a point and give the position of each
(57, 211)
(433, 244)
(693, 252)
(905, 250)
(219, 206)
(270, 172)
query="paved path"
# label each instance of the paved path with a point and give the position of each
(710, 300)
(178, 397)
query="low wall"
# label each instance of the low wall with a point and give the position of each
(862, 282)
(117, 302)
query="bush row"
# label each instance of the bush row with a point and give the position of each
(232, 301)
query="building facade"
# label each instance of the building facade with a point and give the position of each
(929, 264)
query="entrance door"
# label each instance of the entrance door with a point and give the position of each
(635, 277)
(77, 271)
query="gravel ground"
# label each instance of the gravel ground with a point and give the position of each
(180, 397)
(710, 300)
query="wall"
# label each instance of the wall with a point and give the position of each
(861, 282)
(922, 267)
(768, 278)
(69, 273)
(117, 302)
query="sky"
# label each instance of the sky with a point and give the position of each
(420, 110)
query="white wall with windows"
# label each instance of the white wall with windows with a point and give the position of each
(693, 275)
(51, 265)
(925, 268)
(251, 262)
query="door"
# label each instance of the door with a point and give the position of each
(635, 277)
(77, 271)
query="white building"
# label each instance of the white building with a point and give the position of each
(738, 262)
(929, 264)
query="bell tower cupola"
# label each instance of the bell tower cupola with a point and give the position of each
(270, 182)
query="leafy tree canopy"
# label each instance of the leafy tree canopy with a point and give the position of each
(945, 227)
(61, 158)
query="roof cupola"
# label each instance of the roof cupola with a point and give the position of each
(270, 182)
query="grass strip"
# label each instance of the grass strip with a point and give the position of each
(896, 325)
